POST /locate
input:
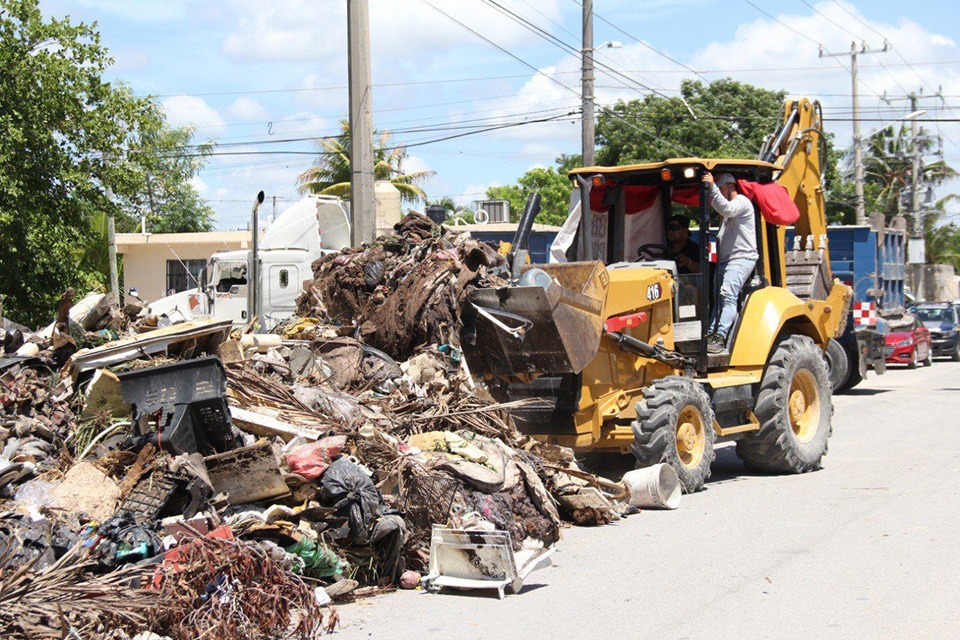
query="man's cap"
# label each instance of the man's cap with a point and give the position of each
(683, 221)
(724, 178)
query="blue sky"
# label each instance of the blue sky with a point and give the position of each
(247, 73)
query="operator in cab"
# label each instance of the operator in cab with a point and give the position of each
(736, 254)
(687, 251)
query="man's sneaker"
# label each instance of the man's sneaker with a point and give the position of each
(716, 344)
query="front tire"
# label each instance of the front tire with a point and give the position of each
(794, 407)
(913, 359)
(839, 364)
(674, 426)
(955, 355)
(928, 361)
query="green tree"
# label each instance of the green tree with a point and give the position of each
(553, 186)
(331, 173)
(162, 163)
(732, 120)
(67, 134)
(942, 240)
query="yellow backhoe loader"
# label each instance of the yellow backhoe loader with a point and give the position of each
(608, 348)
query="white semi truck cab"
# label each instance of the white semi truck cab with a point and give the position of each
(308, 229)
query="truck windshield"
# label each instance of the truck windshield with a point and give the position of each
(229, 275)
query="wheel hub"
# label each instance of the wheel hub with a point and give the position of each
(691, 436)
(804, 405)
(798, 405)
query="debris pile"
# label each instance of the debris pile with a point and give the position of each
(199, 481)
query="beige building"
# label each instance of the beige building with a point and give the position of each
(157, 264)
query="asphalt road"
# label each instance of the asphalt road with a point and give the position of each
(869, 546)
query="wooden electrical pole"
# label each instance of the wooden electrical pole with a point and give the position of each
(362, 203)
(861, 207)
(588, 130)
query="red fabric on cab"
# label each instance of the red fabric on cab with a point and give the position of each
(689, 196)
(775, 204)
(636, 198)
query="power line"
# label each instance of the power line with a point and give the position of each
(545, 75)
(698, 72)
(564, 46)
(855, 36)
(805, 36)
(905, 61)
(642, 43)
(405, 145)
(463, 124)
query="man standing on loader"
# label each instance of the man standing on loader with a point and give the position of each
(736, 254)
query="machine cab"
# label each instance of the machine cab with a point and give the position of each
(627, 221)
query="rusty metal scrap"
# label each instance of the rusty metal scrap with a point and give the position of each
(228, 589)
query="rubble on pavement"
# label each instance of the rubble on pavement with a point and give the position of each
(159, 471)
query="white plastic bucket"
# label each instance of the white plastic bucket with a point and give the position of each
(655, 487)
(28, 349)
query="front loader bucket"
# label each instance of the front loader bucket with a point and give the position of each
(538, 329)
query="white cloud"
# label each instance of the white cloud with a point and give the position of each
(247, 109)
(184, 110)
(412, 164)
(273, 30)
(202, 188)
(309, 30)
(938, 40)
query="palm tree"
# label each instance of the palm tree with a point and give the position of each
(330, 174)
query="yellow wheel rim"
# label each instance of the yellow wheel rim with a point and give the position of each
(804, 405)
(691, 436)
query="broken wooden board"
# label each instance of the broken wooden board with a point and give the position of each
(183, 338)
(247, 474)
(266, 426)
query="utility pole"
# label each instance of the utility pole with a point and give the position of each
(111, 239)
(915, 172)
(362, 203)
(857, 141)
(273, 214)
(588, 131)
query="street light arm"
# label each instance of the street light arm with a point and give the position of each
(909, 116)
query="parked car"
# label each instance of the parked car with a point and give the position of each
(941, 319)
(909, 343)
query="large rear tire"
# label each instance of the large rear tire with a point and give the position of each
(674, 426)
(794, 407)
(839, 364)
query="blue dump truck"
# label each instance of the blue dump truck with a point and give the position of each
(872, 260)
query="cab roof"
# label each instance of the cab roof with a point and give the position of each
(705, 163)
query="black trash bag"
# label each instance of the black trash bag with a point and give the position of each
(389, 534)
(349, 490)
(373, 273)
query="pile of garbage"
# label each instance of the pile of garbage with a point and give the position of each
(196, 480)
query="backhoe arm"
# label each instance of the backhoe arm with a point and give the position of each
(799, 148)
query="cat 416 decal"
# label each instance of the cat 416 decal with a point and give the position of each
(654, 291)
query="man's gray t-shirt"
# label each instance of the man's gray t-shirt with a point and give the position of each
(738, 233)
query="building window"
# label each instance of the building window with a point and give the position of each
(284, 278)
(183, 275)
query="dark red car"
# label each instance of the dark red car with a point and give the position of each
(909, 344)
